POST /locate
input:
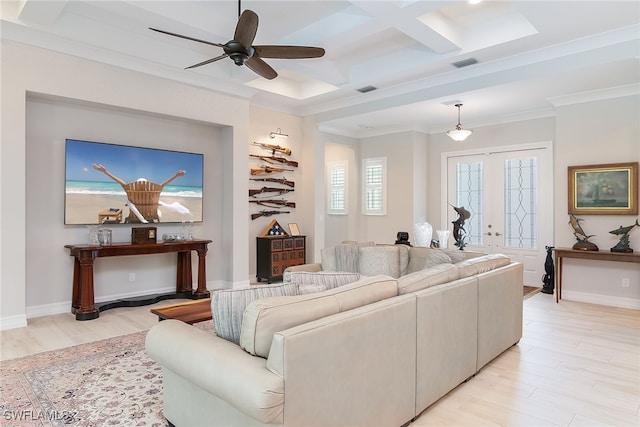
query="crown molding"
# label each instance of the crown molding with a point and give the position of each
(595, 95)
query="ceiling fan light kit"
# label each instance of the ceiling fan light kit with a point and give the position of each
(242, 52)
(459, 134)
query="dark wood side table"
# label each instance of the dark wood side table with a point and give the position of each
(82, 300)
(561, 253)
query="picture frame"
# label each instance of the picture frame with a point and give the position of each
(293, 229)
(606, 189)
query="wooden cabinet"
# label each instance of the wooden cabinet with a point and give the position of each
(276, 253)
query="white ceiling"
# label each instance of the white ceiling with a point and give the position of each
(532, 55)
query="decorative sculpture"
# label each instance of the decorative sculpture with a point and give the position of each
(583, 243)
(422, 233)
(623, 244)
(459, 233)
(548, 279)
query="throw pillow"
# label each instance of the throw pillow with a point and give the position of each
(342, 257)
(311, 289)
(421, 258)
(379, 260)
(328, 279)
(456, 255)
(227, 306)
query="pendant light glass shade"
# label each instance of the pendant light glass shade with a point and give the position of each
(458, 134)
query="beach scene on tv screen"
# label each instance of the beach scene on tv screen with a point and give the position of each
(118, 184)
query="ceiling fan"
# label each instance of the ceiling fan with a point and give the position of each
(242, 51)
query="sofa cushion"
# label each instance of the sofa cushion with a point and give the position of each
(437, 275)
(263, 318)
(377, 260)
(456, 255)
(482, 264)
(329, 279)
(421, 258)
(227, 306)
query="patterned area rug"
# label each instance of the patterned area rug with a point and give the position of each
(105, 383)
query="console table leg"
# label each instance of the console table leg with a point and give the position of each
(184, 279)
(202, 291)
(87, 309)
(75, 293)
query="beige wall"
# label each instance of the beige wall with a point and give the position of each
(31, 72)
(598, 132)
(344, 227)
(406, 186)
(49, 268)
(262, 123)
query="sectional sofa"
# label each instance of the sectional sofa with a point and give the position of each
(373, 352)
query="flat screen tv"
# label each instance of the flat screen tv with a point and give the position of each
(117, 184)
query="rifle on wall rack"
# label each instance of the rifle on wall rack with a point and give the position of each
(268, 169)
(266, 213)
(254, 193)
(271, 159)
(273, 203)
(278, 180)
(274, 148)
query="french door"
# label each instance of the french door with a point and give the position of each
(508, 192)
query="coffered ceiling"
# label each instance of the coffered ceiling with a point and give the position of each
(527, 56)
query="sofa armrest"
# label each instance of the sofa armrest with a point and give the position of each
(219, 367)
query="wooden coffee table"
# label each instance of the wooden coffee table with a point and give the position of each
(189, 312)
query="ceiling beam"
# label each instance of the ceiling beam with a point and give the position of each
(40, 12)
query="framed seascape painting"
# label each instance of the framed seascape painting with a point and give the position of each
(608, 189)
(117, 184)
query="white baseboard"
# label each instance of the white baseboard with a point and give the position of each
(65, 306)
(13, 322)
(621, 302)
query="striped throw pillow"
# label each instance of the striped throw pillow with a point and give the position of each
(227, 306)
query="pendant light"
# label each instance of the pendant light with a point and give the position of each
(458, 134)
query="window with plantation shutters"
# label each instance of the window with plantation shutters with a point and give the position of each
(337, 188)
(374, 182)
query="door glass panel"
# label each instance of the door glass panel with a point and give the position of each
(469, 195)
(520, 203)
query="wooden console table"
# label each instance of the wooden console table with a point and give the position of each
(594, 255)
(82, 301)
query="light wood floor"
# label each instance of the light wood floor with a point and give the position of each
(576, 365)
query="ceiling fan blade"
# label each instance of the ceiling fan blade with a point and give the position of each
(246, 28)
(289, 52)
(186, 37)
(208, 61)
(258, 66)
